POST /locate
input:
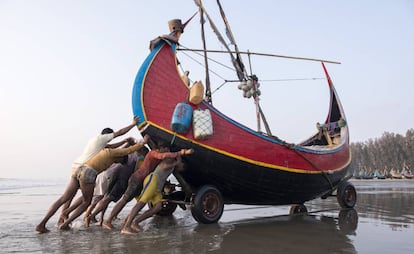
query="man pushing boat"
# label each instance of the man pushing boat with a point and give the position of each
(135, 183)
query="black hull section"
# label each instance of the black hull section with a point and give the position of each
(245, 183)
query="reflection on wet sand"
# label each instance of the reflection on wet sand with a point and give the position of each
(391, 202)
(283, 233)
(293, 234)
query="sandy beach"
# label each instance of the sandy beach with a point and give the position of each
(382, 222)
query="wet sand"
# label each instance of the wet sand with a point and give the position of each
(382, 222)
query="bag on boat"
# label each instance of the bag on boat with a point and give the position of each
(181, 119)
(196, 93)
(202, 124)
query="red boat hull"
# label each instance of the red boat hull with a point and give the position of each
(246, 166)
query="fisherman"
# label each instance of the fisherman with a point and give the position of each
(152, 193)
(118, 185)
(112, 185)
(93, 146)
(103, 180)
(86, 174)
(135, 182)
(102, 184)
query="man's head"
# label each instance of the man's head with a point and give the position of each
(107, 131)
(163, 146)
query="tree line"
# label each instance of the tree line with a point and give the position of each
(390, 151)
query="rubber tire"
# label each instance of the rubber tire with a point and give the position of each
(208, 205)
(167, 209)
(298, 209)
(346, 195)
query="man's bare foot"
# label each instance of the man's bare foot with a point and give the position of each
(127, 231)
(107, 225)
(60, 221)
(62, 218)
(98, 223)
(64, 227)
(92, 219)
(41, 229)
(136, 227)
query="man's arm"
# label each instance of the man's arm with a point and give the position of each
(127, 128)
(164, 155)
(176, 162)
(134, 147)
(118, 144)
(125, 151)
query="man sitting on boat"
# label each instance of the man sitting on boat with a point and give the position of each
(330, 130)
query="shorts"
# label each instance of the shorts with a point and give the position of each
(102, 184)
(134, 189)
(85, 174)
(117, 189)
(150, 193)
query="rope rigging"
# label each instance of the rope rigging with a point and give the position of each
(225, 81)
(249, 83)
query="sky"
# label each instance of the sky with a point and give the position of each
(67, 69)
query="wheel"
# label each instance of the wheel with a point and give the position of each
(167, 208)
(208, 205)
(298, 209)
(348, 220)
(346, 195)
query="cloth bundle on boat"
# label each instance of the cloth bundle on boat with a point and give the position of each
(196, 93)
(202, 124)
(182, 116)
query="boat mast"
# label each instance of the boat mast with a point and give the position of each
(238, 63)
(255, 96)
(242, 73)
(208, 87)
(219, 36)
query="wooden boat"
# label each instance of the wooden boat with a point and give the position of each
(395, 174)
(236, 164)
(406, 173)
(357, 174)
(366, 175)
(378, 175)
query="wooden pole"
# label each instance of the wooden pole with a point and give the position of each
(262, 54)
(208, 88)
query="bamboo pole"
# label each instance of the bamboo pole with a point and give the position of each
(208, 87)
(261, 54)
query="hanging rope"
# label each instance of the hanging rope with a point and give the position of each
(200, 63)
(173, 138)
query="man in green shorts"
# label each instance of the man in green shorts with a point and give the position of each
(152, 193)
